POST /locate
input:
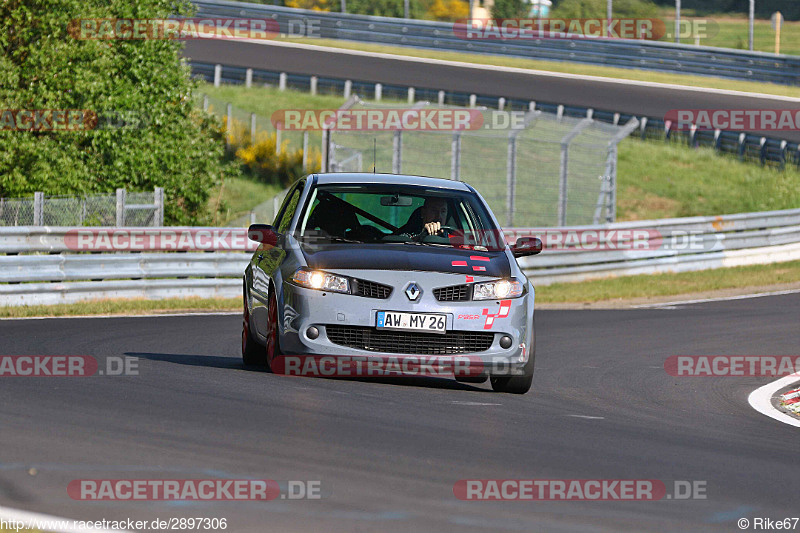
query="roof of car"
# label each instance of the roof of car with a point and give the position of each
(394, 179)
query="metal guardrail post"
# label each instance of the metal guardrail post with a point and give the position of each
(228, 125)
(410, 95)
(440, 98)
(248, 78)
(282, 81)
(348, 87)
(38, 209)
(120, 219)
(217, 74)
(313, 83)
(278, 131)
(325, 145)
(158, 200)
(378, 92)
(205, 102)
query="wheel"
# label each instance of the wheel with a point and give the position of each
(273, 347)
(252, 352)
(512, 384)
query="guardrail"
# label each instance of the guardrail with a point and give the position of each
(39, 267)
(649, 55)
(746, 146)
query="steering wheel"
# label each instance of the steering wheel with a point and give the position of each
(444, 231)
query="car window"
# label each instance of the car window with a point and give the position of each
(288, 208)
(391, 214)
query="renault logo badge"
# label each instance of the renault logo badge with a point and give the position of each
(412, 291)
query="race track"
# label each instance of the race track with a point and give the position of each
(604, 94)
(388, 453)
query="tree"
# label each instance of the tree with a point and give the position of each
(508, 9)
(596, 9)
(42, 66)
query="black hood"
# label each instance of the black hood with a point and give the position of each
(407, 257)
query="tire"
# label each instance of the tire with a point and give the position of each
(472, 379)
(252, 352)
(517, 384)
(273, 345)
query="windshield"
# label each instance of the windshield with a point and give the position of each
(392, 214)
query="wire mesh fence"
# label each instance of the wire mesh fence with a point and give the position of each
(120, 209)
(536, 169)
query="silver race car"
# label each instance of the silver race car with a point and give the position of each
(375, 265)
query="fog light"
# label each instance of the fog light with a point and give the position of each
(506, 341)
(312, 332)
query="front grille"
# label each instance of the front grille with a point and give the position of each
(406, 342)
(370, 289)
(456, 293)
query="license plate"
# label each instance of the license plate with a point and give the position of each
(425, 322)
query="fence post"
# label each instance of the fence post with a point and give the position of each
(305, 151)
(314, 81)
(473, 100)
(559, 112)
(378, 92)
(501, 103)
(325, 141)
(217, 75)
(532, 105)
(410, 95)
(205, 102)
(248, 78)
(282, 81)
(348, 88)
(120, 207)
(455, 157)
(440, 98)
(511, 179)
(252, 127)
(158, 200)
(563, 169)
(38, 209)
(278, 146)
(228, 121)
(397, 152)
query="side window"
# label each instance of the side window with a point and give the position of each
(289, 206)
(288, 212)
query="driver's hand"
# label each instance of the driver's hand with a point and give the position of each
(433, 228)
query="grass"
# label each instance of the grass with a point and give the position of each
(732, 32)
(237, 196)
(127, 307)
(604, 290)
(563, 67)
(657, 179)
(650, 286)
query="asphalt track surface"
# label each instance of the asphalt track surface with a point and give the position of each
(388, 453)
(610, 95)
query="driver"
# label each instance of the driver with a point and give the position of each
(429, 218)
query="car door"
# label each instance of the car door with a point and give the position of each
(267, 259)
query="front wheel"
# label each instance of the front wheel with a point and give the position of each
(273, 339)
(252, 352)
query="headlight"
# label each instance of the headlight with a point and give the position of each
(314, 279)
(496, 290)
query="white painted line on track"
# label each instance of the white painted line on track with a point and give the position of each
(761, 399)
(517, 70)
(154, 315)
(474, 403)
(671, 305)
(587, 417)
(38, 521)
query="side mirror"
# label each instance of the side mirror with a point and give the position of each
(263, 233)
(527, 246)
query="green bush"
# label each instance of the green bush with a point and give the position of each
(507, 9)
(42, 66)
